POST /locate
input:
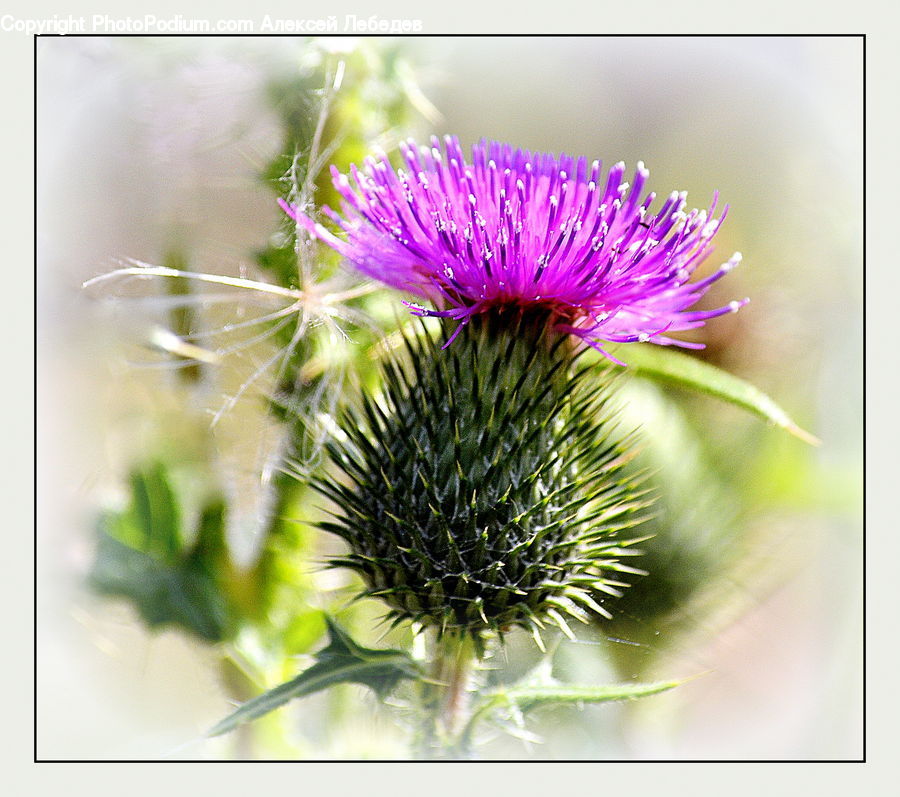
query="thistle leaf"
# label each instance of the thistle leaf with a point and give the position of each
(541, 690)
(141, 556)
(526, 698)
(667, 365)
(342, 661)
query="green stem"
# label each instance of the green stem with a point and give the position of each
(446, 699)
(458, 672)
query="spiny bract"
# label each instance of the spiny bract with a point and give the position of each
(484, 489)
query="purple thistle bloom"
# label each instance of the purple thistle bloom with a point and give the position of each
(516, 229)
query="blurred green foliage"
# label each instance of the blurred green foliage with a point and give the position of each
(179, 573)
(144, 555)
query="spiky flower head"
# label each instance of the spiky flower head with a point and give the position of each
(515, 228)
(485, 488)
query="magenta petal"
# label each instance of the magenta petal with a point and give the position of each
(515, 228)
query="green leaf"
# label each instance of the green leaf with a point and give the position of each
(343, 661)
(526, 698)
(141, 557)
(667, 365)
(539, 690)
(154, 522)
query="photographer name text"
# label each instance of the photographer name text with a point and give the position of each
(59, 25)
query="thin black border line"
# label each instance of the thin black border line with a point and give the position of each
(36, 343)
(862, 760)
(453, 36)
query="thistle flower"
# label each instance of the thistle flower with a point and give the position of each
(486, 486)
(528, 230)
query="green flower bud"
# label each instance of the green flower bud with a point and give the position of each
(484, 489)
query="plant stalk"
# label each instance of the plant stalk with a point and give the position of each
(446, 702)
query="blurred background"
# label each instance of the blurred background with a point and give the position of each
(173, 151)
